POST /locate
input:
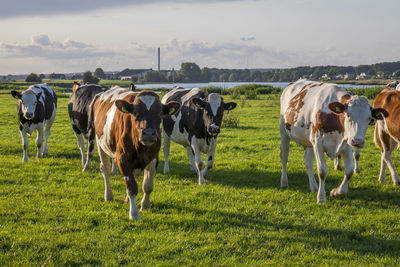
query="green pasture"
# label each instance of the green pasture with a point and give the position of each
(51, 213)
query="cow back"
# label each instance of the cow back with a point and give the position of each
(79, 106)
(189, 117)
(390, 101)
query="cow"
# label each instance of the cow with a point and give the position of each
(127, 128)
(196, 126)
(387, 132)
(37, 107)
(323, 118)
(79, 110)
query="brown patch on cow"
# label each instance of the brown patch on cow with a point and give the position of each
(390, 101)
(327, 123)
(321, 84)
(295, 105)
(345, 99)
(314, 85)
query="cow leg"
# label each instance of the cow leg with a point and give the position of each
(284, 154)
(90, 150)
(81, 145)
(148, 182)
(348, 172)
(198, 160)
(189, 152)
(382, 172)
(386, 144)
(105, 171)
(127, 173)
(25, 144)
(39, 140)
(337, 163)
(387, 157)
(114, 169)
(166, 148)
(46, 137)
(356, 156)
(322, 168)
(309, 160)
(210, 157)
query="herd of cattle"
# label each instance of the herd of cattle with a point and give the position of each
(125, 125)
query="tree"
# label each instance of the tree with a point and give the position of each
(190, 72)
(99, 73)
(33, 78)
(89, 78)
(41, 76)
(232, 77)
(134, 78)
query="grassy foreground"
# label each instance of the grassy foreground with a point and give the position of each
(52, 213)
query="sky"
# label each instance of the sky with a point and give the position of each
(62, 36)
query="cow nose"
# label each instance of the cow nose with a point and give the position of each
(149, 132)
(29, 115)
(214, 128)
(357, 142)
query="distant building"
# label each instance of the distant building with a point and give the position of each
(134, 72)
(348, 76)
(362, 76)
(325, 77)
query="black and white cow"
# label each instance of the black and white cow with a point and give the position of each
(196, 126)
(37, 107)
(79, 109)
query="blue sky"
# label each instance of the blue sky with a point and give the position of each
(46, 36)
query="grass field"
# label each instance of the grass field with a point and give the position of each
(52, 213)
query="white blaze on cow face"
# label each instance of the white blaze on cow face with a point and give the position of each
(29, 101)
(148, 100)
(215, 102)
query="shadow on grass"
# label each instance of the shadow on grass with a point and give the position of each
(298, 181)
(315, 238)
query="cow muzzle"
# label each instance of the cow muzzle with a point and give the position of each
(149, 137)
(357, 142)
(28, 115)
(214, 129)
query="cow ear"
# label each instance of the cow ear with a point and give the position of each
(16, 94)
(198, 102)
(171, 108)
(379, 113)
(132, 87)
(337, 107)
(38, 95)
(124, 106)
(230, 105)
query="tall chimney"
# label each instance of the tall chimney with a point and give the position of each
(158, 59)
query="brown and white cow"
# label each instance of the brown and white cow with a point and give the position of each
(387, 132)
(323, 118)
(127, 128)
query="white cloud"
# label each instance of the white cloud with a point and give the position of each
(72, 56)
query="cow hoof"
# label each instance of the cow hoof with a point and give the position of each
(396, 183)
(321, 200)
(356, 171)
(24, 160)
(108, 196)
(86, 169)
(202, 182)
(335, 192)
(313, 189)
(145, 205)
(166, 170)
(382, 181)
(134, 217)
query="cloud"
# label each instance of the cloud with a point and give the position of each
(28, 8)
(69, 55)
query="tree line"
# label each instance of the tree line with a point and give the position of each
(191, 72)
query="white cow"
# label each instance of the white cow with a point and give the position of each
(323, 118)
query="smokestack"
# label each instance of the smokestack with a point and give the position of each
(158, 59)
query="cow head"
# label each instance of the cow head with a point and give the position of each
(358, 114)
(28, 101)
(147, 112)
(213, 110)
